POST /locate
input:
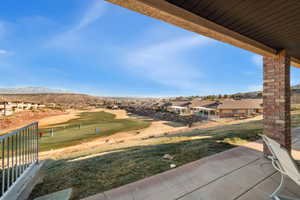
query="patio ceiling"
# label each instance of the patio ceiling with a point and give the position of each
(263, 27)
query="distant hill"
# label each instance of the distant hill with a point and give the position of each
(30, 90)
(66, 100)
(295, 95)
(296, 86)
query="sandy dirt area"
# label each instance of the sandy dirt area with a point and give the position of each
(24, 118)
(74, 114)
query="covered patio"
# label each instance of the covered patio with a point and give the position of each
(269, 28)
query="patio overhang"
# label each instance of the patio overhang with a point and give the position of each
(263, 27)
(269, 28)
(204, 108)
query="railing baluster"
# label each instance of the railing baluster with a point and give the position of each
(37, 142)
(17, 156)
(30, 144)
(3, 166)
(30, 160)
(28, 147)
(33, 128)
(26, 150)
(7, 156)
(22, 151)
(12, 160)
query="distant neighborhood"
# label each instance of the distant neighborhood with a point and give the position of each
(9, 108)
(191, 110)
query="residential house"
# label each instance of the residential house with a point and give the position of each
(18, 106)
(27, 105)
(5, 108)
(203, 107)
(240, 108)
(179, 107)
(41, 106)
(8, 108)
(161, 106)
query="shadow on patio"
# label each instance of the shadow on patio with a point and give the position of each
(240, 173)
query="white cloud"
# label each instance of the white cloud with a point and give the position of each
(2, 51)
(71, 38)
(165, 62)
(257, 60)
(93, 13)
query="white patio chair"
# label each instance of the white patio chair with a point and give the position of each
(284, 163)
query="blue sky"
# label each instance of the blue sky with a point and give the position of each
(98, 48)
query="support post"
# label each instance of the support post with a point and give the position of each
(276, 99)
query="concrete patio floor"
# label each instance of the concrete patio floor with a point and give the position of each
(241, 173)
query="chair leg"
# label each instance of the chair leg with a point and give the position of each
(275, 195)
(278, 189)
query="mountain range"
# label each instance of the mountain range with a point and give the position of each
(47, 95)
(31, 90)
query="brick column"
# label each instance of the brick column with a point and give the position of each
(276, 99)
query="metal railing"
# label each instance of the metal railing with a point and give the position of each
(19, 152)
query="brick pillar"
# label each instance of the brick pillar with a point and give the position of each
(276, 99)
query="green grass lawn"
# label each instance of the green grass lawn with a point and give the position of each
(69, 133)
(121, 164)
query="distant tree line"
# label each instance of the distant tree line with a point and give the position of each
(232, 96)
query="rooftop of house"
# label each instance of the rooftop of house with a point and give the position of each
(161, 103)
(180, 103)
(202, 103)
(241, 104)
